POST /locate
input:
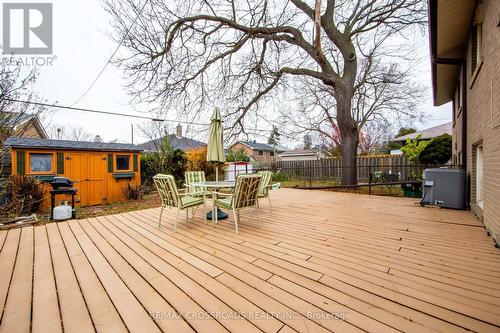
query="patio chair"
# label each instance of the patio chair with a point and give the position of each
(265, 185)
(244, 196)
(191, 177)
(171, 198)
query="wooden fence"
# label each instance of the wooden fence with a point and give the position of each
(380, 166)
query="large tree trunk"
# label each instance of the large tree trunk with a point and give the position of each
(349, 134)
(349, 157)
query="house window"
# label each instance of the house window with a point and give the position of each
(475, 46)
(476, 40)
(271, 153)
(40, 162)
(261, 153)
(122, 162)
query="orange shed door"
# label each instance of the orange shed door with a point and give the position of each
(87, 171)
(95, 179)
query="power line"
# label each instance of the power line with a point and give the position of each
(112, 56)
(112, 113)
(64, 107)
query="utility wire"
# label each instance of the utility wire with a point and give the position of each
(112, 56)
(102, 112)
(112, 113)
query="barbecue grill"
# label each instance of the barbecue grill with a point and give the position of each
(62, 185)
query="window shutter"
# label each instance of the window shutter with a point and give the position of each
(21, 158)
(60, 163)
(136, 163)
(110, 162)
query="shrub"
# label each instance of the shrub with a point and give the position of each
(197, 161)
(239, 155)
(167, 161)
(414, 148)
(132, 192)
(438, 151)
(21, 195)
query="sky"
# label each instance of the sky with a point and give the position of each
(82, 46)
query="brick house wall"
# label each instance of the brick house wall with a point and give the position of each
(483, 120)
(265, 157)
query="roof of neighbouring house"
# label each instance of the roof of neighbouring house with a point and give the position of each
(16, 142)
(261, 146)
(428, 133)
(299, 152)
(16, 119)
(176, 142)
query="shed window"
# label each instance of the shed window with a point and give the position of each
(271, 153)
(261, 153)
(122, 162)
(40, 162)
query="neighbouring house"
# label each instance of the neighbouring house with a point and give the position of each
(426, 134)
(23, 125)
(299, 155)
(99, 170)
(465, 55)
(258, 152)
(177, 141)
(19, 125)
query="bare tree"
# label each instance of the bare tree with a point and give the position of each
(74, 133)
(374, 135)
(153, 130)
(15, 84)
(192, 54)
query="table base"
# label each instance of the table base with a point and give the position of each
(221, 215)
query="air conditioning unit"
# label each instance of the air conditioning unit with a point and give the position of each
(444, 187)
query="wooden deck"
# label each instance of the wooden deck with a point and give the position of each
(322, 262)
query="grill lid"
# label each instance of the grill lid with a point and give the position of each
(60, 182)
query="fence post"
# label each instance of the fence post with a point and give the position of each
(310, 178)
(370, 177)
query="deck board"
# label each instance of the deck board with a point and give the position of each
(322, 261)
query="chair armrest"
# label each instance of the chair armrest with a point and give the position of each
(192, 194)
(223, 194)
(191, 185)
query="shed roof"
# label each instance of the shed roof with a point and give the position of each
(299, 152)
(16, 142)
(428, 133)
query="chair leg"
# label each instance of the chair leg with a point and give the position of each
(204, 211)
(159, 220)
(187, 214)
(236, 217)
(270, 206)
(176, 218)
(257, 215)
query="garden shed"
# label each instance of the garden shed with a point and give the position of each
(99, 170)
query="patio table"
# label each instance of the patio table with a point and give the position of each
(215, 185)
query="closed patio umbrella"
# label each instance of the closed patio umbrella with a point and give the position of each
(215, 146)
(215, 151)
